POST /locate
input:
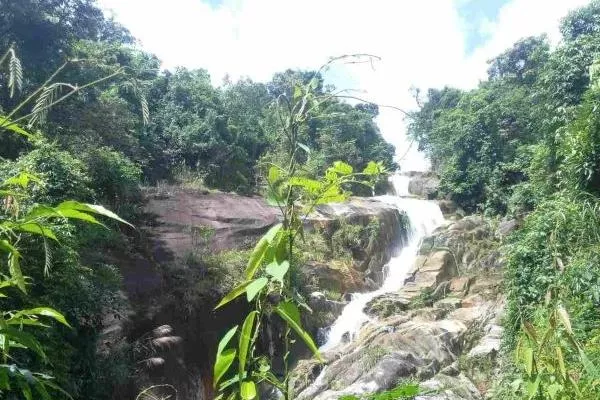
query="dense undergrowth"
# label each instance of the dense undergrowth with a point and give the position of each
(526, 144)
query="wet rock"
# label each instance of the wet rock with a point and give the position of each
(460, 284)
(448, 304)
(424, 185)
(448, 387)
(505, 228)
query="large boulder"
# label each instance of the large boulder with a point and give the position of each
(424, 185)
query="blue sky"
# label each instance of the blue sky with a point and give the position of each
(476, 16)
(422, 43)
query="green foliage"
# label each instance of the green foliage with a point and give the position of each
(402, 391)
(116, 178)
(526, 143)
(268, 283)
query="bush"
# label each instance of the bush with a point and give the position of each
(115, 178)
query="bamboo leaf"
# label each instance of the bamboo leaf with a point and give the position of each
(224, 358)
(235, 293)
(290, 314)
(244, 342)
(222, 365)
(24, 339)
(46, 312)
(259, 251)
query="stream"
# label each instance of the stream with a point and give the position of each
(424, 216)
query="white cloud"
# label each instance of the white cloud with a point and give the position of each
(421, 42)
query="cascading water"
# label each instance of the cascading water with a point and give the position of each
(424, 216)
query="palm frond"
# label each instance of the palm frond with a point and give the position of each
(48, 257)
(45, 100)
(15, 73)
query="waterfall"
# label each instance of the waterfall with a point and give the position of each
(424, 216)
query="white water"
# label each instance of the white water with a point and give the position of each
(424, 216)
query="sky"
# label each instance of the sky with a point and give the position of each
(421, 43)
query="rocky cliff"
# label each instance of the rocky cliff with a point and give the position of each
(191, 249)
(441, 329)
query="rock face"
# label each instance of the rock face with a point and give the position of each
(164, 284)
(391, 232)
(442, 327)
(424, 185)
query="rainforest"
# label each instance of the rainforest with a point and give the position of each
(164, 235)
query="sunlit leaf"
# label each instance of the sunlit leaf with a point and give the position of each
(290, 314)
(259, 251)
(248, 390)
(235, 293)
(255, 287)
(342, 168)
(46, 312)
(7, 124)
(222, 364)
(244, 342)
(278, 270)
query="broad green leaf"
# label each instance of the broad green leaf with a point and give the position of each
(235, 293)
(24, 339)
(248, 390)
(4, 383)
(226, 339)
(224, 361)
(36, 228)
(372, 168)
(255, 287)
(89, 208)
(222, 365)
(75, 214)
(342, 168)
(589, 366)
(290, 314)
(270, 235)
(278, 270)
(532, 388)
(22, 180)
(310, 185)
(41, 389)
(244, 342)
(46, 312)
(259, 251)
(5, 123)
(256, 257)
(25, 389)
